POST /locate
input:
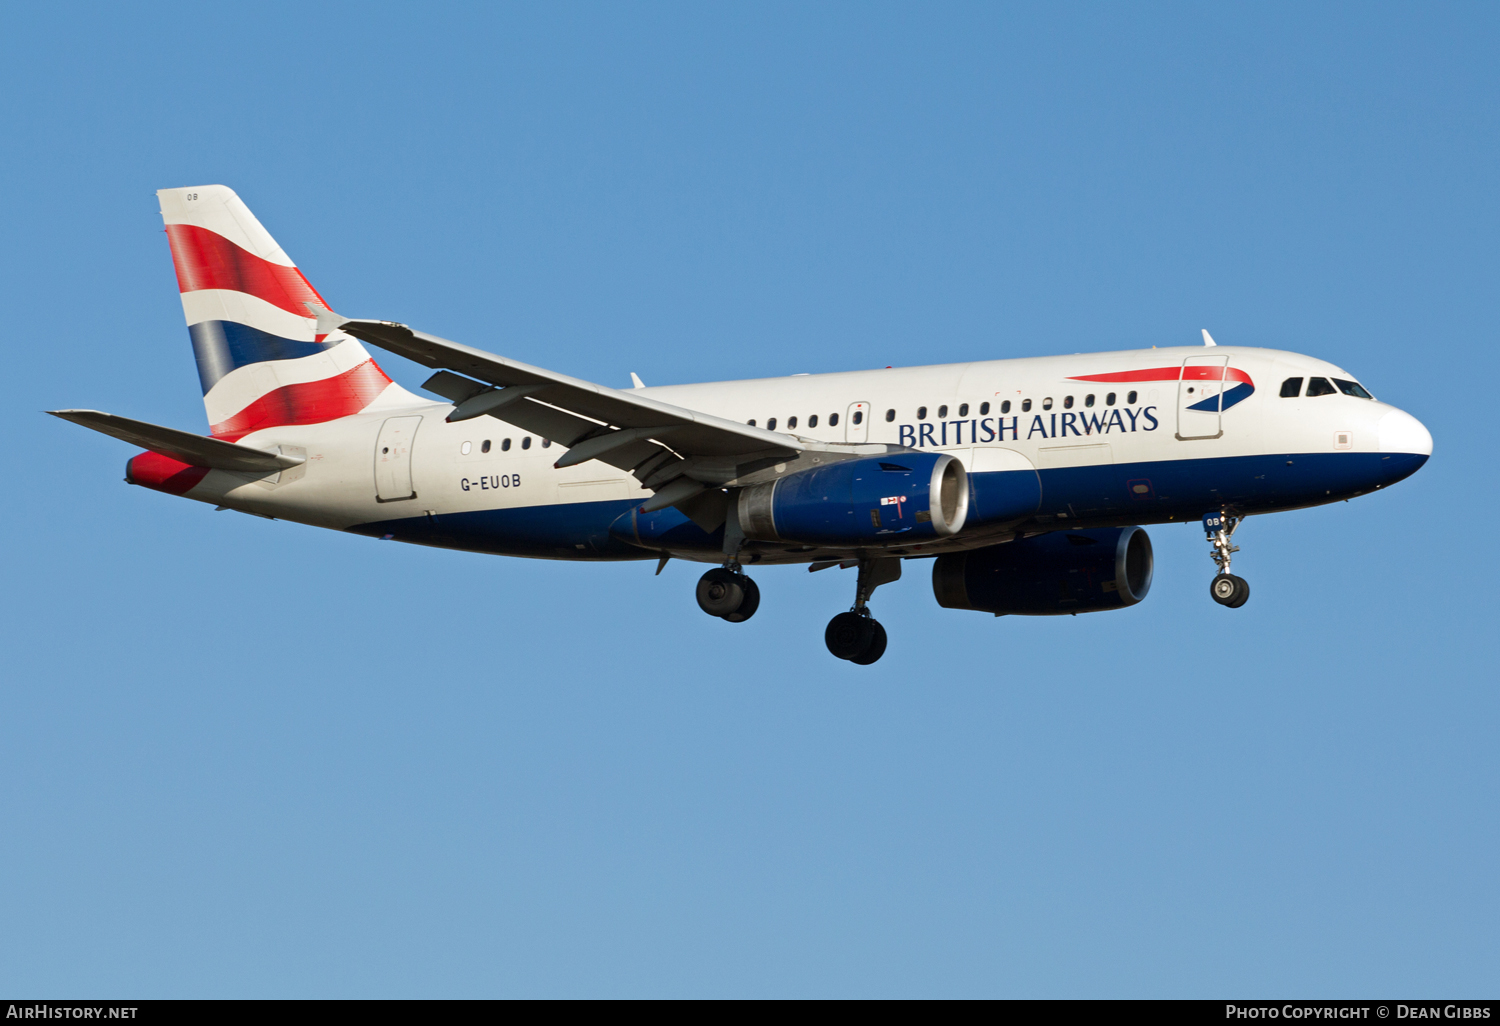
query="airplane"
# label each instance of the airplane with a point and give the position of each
(1025, 481)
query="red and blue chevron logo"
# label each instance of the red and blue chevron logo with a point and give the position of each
(1232, 395)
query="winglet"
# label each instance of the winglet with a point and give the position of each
(328, 321)
(1208, 339)
(635, 380)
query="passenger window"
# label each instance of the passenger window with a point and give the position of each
(1130, 399)
(546, 443)
(1025, 405)
(463, 450)
(1319, 386)
(942, 412)
(526, 442)
(812, 421)
(1352, 388)
(791, 422)
(963, 411)
(1291, 388)
(1109, 400)
(1088, 400)
(485, 446)
(505, 445)
(833, 420)
(1005, 406)
(859, 416)
(921, 413)
(1067, 402)
(890, 415)
(1047, 403)
(771, 424)
(984, 409)
(752, 421)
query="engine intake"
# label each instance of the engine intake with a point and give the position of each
(907, 495)
(1056, 573)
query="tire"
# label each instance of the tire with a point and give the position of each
(721, 592)
(1229, 590)
(750, 603)
(848, 635)
(875, 649)
(1243, 596)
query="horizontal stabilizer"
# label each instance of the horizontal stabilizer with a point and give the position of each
(183, 446)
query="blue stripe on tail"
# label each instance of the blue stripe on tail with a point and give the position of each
(222, 346)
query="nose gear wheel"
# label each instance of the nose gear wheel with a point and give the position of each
(1229, 590)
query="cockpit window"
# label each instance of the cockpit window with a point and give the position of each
(1291, 388)
(1319, 386)
(1353, 388)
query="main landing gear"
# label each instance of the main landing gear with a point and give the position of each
(856, 635)
(1226, 588)
(728, 593)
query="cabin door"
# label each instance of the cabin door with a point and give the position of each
(393, 459)
(1200, 397)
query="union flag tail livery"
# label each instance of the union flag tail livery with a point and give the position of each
(252, 316)
(1023, 480)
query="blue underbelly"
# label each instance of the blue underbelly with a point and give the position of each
(1174, 489)
(575, 530)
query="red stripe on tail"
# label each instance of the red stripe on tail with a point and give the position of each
(207, 260)
(312, 402)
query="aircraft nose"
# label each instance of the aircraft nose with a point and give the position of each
(1400, 432)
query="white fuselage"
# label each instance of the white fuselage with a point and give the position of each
(1077, 435)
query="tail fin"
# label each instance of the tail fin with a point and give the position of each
(260, 358)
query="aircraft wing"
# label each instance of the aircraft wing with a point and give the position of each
(677, 452)
(183, 446)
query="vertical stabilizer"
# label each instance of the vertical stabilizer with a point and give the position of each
(260, 357)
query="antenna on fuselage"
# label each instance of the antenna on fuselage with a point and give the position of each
(1208, 339)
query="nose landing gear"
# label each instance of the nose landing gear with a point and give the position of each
(728, 593)
(1226, 588)
(856, 635)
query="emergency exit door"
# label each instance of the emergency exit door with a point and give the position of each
(393, 459)
(857, 423)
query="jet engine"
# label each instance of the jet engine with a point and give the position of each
(1060, 572)
(911, 495)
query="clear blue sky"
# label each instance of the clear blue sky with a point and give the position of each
(249, 758)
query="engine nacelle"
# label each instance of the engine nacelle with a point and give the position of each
(910, 495)
(1056, 573)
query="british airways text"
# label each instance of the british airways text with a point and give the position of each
(1045, 425)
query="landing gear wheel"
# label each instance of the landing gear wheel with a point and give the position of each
(749, 604)
(1244, 595)
(1229, 590)
(855, 637)
(722, 592)
(875, 649)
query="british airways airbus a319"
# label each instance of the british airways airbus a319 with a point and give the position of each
(1025, 481)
